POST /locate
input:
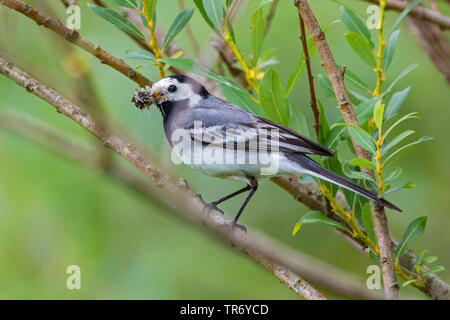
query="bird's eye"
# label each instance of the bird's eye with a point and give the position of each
(172, 88)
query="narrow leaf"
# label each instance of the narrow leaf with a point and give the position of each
(434, 270)
(317, 216)
(391, 158)
(412, 233)
(117, 19)
(140, 54)
(404, 13)
(395, 103)
(397, 140)
(177, 25)
(273, 98)
(214, 11)
(388, 52)
(257, 33)
(378, 112)
(361, 162)
(201, 9)
(353, 23)
(298, 121)
(400, 76)
(361, 47)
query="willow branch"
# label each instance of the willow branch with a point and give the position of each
(381, 228)
(418, 12)
(176, 193)
(75, 37)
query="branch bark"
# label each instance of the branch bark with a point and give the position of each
(418, 12)
(381, 228)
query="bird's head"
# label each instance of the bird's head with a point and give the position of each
(177, 88)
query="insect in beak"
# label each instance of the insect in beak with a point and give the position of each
(156, 95)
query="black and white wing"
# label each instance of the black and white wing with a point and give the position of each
(224, 122)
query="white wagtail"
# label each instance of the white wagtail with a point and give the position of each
(226, 141)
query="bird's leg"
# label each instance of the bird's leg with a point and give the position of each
(253, 186)
(231, 195)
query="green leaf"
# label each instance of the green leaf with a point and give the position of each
(378, 112)
(412, 233)
(404, 13)
(364, 110)
(407, 185)
(194, 67)
(394, 174)
(316, 217)
(299, 67)
(361, 47)
(241, 99)
(355, 174)
(361, 162)
(325, 85)
(395, 103)
(140, 54)
(420, 257)
(273, 98)
(388, 52)
(298, 121)
(127, 3)
(400, 76)
(408, 282)
(434, 270)
(360, 136)
(397, 140)
(404, 148)
(201, 8)
(151, 7)
(430, 259)
(355, 80)
(367, 222)
(354, 24)
(117, 19)
(257, 33)
(177, 25)
(214, 11)
(412, 115)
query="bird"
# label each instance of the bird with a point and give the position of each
(226, 141)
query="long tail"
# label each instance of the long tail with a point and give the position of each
(311, 167)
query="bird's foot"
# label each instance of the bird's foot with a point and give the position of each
(212, 206)
(237, 227)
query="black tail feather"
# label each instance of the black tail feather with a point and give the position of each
(318, 171)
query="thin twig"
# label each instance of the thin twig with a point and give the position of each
(270, 15)
(312, 90)
(381, 228)
(176, 193)
(418, 12)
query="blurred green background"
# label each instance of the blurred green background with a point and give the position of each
(55, 213)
